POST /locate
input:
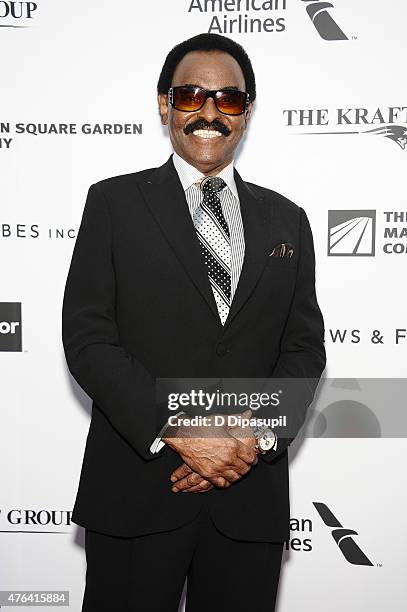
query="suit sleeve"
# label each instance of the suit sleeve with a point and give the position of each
(119, 384)
(302, 356)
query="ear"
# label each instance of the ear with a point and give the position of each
(248, 113)
(163, 107)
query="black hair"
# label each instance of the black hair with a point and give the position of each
(207, 42)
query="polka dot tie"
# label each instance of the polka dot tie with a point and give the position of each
(214, 239)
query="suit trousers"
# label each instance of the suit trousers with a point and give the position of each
(147, 573)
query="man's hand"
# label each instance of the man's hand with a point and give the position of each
(220, 463)
(188, 481)
(245, 435)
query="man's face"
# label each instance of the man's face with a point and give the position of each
(210, 70)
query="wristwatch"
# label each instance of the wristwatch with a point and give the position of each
(266, 439)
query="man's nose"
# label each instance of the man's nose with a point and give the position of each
(209, 110)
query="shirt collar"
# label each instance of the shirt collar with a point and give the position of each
(188, 174)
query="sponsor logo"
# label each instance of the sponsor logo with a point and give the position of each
(19, 520)
(263, 16)
(33, 231)
(391, 122)
(395, 229)
(301, 535)
(396, 133)
(351, 232)
(396, 336)
(13, 13)
(342, 536)
(241, 16)
(323, 21)
(8, 131)
(10, 326)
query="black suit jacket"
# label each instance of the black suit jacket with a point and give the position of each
(138, 305)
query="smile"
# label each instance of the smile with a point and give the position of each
(207, 133)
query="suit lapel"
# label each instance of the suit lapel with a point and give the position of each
(166, 199)
(257, 225)
(165, 196)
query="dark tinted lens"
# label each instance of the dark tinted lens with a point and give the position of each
(188, 98)
(231, 102)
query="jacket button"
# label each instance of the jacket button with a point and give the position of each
(221, 349)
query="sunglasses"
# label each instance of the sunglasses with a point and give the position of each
(189, 98)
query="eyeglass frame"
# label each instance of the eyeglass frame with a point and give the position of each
(210, 93)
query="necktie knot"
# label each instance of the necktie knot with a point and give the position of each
(212, 184)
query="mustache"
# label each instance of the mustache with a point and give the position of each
(201, 124)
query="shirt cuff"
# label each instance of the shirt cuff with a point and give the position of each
(158, 444)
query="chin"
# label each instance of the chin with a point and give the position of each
(205, 156)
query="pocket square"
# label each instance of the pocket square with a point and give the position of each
(284, 249)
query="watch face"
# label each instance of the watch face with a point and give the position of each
(266, 442)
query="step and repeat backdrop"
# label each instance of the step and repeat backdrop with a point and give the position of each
(329, 131)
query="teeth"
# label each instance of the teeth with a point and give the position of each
(207, 133)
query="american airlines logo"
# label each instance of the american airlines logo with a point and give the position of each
(230, 17)
(323, 21)
(351, 232)
(342, 536)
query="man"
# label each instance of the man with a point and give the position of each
(174, 276)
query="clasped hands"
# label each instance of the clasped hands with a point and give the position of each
(215, 460)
